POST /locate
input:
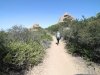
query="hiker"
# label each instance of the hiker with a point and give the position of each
(58, 36)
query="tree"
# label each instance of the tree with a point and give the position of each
(98, 15)
(91, 18)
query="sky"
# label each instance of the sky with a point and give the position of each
(44, 12)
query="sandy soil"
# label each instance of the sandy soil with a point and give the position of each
(58, 62)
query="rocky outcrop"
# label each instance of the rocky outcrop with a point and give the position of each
(34, 27)
(65, 17)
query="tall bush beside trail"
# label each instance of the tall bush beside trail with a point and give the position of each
(20, 47)
(4, 43)
(73, 36)
(21, 54)
(90, 33)
(83, 38)
(90, 36)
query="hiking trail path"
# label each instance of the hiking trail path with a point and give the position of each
(58, 62)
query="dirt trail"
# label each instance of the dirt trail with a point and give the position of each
(57, 62)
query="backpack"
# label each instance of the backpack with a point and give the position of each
(58, 36)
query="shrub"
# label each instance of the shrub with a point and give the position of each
(47, 36)
(83, 38)
(21, 53)
(20, 47)
(4, 42)
(53, 29)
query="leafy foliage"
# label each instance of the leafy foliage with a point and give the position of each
(60, 26)
(20, 48)
(83, 38)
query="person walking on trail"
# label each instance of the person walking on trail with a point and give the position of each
(58, 36)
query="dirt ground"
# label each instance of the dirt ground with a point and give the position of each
(58, 62)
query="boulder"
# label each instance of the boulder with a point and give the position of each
(34, 27)
(65, 17)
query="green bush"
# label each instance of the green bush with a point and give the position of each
(4, 43)
(53, 29)
(20, 47)
(47, 36)
(21, 53)
(83, 38)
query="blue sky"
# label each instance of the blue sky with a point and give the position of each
(44, 12)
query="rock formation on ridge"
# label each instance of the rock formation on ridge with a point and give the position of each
(35, 27)
(64, 17)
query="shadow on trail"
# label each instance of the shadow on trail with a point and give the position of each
(56, 43)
